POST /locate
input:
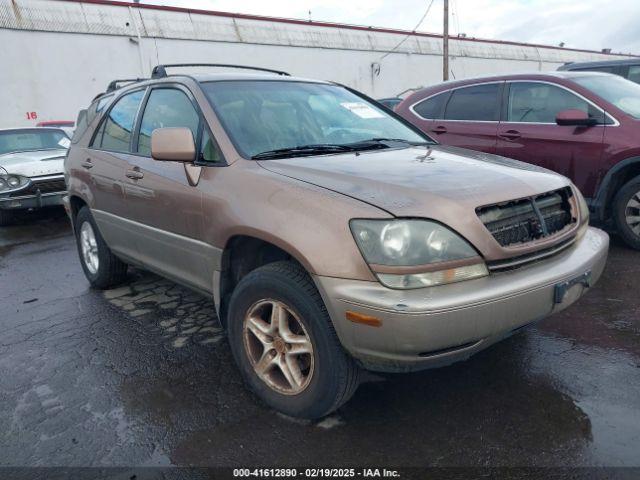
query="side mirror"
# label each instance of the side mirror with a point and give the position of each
(574, 117)
(173, 145)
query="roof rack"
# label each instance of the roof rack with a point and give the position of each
(160, 71)
(115, 84)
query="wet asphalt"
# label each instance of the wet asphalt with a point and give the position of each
(142, 376)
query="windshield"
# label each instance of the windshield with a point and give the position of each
(616, 90)
(32, 139)
(263, 116)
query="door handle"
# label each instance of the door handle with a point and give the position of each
(510, 135)
(134, 174)
(87, 164)
(439, 129)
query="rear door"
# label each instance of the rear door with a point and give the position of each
(469, 117)
(164, 203)
(529, 131)
(104, 165)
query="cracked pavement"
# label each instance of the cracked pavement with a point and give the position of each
(142, 375)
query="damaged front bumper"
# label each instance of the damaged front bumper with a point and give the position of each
(436, 326)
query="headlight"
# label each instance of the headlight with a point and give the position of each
(9, 183)
(416, 253)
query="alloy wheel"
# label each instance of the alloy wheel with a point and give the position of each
(632, 213)
(278, 346)
(89, 248)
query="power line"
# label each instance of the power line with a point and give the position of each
(412, 31)
(456, 16)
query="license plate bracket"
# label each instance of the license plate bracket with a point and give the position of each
(561, 289)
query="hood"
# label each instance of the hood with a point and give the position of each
(419, 181)
(35, 163)
(441, 183)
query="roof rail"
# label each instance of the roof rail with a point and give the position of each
(160, 71)
(114, 84)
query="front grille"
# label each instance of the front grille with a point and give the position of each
(524, 220)
(48, 185)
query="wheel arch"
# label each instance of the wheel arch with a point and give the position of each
(76, 203)
(616, 177)
(244, 251)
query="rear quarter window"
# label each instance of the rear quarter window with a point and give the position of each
(87, 116)
(431, 108)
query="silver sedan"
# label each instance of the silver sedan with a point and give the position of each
(31, 169)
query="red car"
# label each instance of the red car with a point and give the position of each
(584, 125)
(56, 123)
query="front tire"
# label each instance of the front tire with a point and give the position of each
(284, 343)
(101, 267)
(626, 213)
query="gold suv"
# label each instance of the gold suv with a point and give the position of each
(331, 234)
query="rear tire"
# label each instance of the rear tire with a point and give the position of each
(326, 377)
(101, 267)
(626, 213)
(6, 218)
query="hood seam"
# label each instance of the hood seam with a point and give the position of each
(326, 188)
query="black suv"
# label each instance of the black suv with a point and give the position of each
(629, 68)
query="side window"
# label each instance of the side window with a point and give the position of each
(166, 107)
(540, 103)
(115, 132)
(431, 108)
(634, 73)
(477, 103)
(209, 150)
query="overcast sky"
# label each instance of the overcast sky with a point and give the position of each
(590, 24)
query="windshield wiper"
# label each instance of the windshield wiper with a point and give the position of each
(302, 150)
(389, 140)
(324, 148)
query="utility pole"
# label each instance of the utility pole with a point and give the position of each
(445, 43)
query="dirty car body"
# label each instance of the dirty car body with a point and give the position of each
(31, 168)
(420, 254)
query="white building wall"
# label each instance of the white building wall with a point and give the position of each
(55, 56)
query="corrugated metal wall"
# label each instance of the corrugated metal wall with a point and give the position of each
(58, 54)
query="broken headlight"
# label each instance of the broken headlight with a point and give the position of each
(416, 253)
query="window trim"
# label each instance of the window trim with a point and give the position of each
(449, 92)
(444, 93)
(504, 115)
(504, 105)
(107, 99)
(105, 117)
